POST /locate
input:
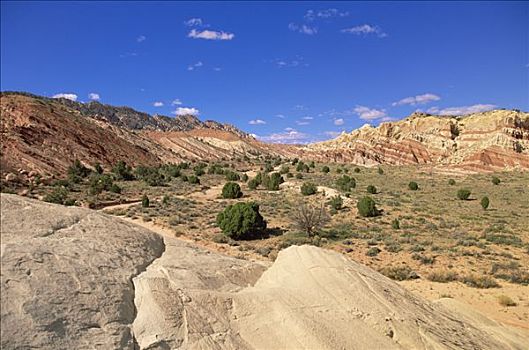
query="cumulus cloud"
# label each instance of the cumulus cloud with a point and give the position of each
(195, 65)
(176, 102)
(141, 38)
(68, 96)
(187, 111)
(365, 29)
(462, 110)
(158, 104)
(338, 121)
(417, 100)
(257, 122)
(194, 22)
(210, 35)
(311, 15)
(303, 29)
(94, 96)
(290, 136)
(367, 113)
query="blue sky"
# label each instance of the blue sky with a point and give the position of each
(285, 71)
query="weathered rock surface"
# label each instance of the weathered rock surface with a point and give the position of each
(482, 141)
(66, 276)
(76, 279)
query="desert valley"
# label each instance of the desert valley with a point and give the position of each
(264, 175)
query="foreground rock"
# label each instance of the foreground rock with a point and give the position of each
(77, 279)
(66, 276)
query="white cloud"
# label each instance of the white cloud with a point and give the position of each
(417, 100)
(299, 108)
(195, 65)
(301, 122)
(217, 69)
(94, 96)
(298, 61)
(194, 22)
(257, 122)
(141, 38)
(289, 136)
(176, 102)
(280, 116)
(333, 134)
(186, 111)
(311, 15)
(367, 113)
(304, 29)
(462, 110)
(338, 121)
(72, 97)
(210, 35)
(307, 118)
(158, 104)
(365, 29)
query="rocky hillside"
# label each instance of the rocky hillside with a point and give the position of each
(45, 135)
(482, 141)
(74, 278)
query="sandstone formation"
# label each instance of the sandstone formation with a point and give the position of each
(482, 141)
(77, 279)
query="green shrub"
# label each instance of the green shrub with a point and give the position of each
(395, 224)
(199, 171)
(299, 176)
(346, 183)
(325, 169)
(145, 202)
(122, 171)
(244, 178)
(367, 207)
(485, 202)
(373, 251)
(336, 202)
(371, 189)
(231, 175)
(442, 276)
(268, 168)
(289, 175)
(57, 196)
(463, 194)
(339, 170)
(231, 190)
(308, 188)
(399, 273)
(184, 178)
(241, 220)
(69, 202)
(253, 183)
(451, 182)
(272, 181)
(480, 281)
(98, 168)
(77, 171)
(193, 180)
(99, 183)
(413, 186)
(284, 169)
(496, 180)
(295, 161)
(357, 170)
(380, 171)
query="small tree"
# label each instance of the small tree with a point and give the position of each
(496, 180)
(308, 188)
(463, 194)
(367, 207)
(325, 169)
(485, 202)
(371, 189)
(336, 202)
(310, 218)
(231, 190)
(271, 182)
(413, 186)
(241, 220)
(122, 171)
(145, 202)
(346, 183)
(77, 171)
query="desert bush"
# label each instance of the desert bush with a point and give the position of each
(380, 171)
(145, 202)
(77, 171)
(231, 175)
(395, 224)
(231, 190)
(336, 202)
(299, 176)
(99, 183)
(289, 175)
(295, 161)
(505, 300)
(308, 188)
(184, 178)
(463, 194)
(496, 180)
(442, 276)
(241, 220)
(309, 218)
(373, 251)
(268, 168)
(345, 183)
(485, 202)
(325, 169)
(122, 171)
(193, 180)
(371, 189)
(272, 181)
(244, 177)
(199, 171)
(58, 195)
(252, 184)
(502, 239)
(451, 182)
(480, 281)
(98, 168)
(367, 207)
(339, 170)
(150, 175)
(356, 170)
(413, 186)
(215, 169)
(284, 169)
(399, 273)
(423, 259)
(312, 165)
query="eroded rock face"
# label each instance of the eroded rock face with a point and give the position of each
(482, 141)
(66, 276)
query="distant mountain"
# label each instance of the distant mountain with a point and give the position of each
(490, 140)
